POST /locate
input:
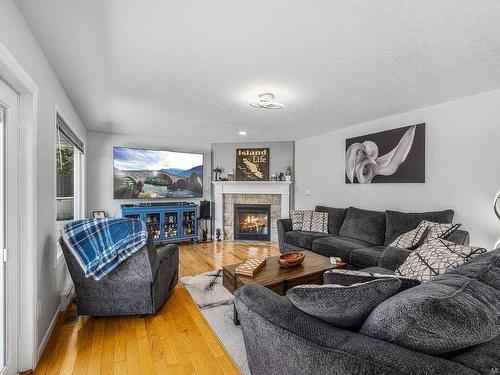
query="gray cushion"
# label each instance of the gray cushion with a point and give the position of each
(446, 314)
(364, 225)
(366, 256)
(336, 218)
(482, 358)
(344, 306)
(303, 239)
(484, 267)
(337, 246)
(398, 223)
(349, 277)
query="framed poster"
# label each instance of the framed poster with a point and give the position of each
(391, 156)
(252, 164)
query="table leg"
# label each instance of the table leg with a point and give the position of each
(236, 320)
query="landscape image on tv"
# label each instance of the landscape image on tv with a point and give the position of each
(151, 174)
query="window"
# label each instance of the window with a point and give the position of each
(69, 178)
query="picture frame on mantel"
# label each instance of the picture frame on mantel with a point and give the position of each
(252, 164)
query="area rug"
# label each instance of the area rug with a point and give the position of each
(216, 305)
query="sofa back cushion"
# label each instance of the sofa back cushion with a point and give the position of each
(364, 225)
(449, 313)
(484, 267)
(398, 223)
(336, 218)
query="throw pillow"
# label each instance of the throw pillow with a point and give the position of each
(297, 217)
(439, 230)
(449, 313)
(412, 239)
(315, 222)
(435, 257)
(349, 277)
(344, 306)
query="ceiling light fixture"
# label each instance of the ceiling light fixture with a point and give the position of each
(242, 132)
(266, 101)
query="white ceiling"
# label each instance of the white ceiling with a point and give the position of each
(189, 68)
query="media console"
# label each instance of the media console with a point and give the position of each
(166, 222)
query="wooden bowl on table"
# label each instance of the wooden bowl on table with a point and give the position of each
(290, 260)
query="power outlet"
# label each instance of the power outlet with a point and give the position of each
(38, 309)
(308, 192)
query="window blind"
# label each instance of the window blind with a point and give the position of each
(64, 128)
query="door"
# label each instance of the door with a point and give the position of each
(9, 132)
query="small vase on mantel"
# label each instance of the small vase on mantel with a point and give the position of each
(288, 174)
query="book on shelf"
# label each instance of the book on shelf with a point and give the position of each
(250, 266)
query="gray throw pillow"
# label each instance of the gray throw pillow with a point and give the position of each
(446, 314)
(349, 277)
(343, 306)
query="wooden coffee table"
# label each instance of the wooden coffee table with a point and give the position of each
(277, 278)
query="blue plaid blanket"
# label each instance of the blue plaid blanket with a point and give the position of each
(100, 245)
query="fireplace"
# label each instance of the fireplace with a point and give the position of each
(252, 222)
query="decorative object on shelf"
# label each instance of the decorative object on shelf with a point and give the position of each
(496, 208)
(98, 214)
(166, 222)
(205, 229)
(217, 171)
(292, 259)
(230, 175)
(266, 101)
(273, 177)
(218, 233)
(250, 266)
(252, 164)
(281, 177)
(288, 174)
(396, 156)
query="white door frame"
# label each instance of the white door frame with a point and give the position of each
(14, 75)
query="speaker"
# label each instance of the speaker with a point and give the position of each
(205, 209)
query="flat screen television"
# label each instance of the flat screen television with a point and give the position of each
(152, 174)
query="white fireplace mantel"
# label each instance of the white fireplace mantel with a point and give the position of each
(281, 188)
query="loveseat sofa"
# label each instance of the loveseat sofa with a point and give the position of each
(448, 325)
(360, 237)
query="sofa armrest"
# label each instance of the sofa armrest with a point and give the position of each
(281, 339)
(393, 257)
(284, 225)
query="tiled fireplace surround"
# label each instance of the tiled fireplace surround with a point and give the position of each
(227, 194)
(231, 199)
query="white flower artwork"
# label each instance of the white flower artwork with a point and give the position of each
(363, 160)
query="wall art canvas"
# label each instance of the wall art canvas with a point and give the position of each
(392, 156)
(252, 164)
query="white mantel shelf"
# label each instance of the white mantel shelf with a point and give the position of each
(281, 188)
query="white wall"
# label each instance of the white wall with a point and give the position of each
(20, 42)
(100, 166)
(462, 166)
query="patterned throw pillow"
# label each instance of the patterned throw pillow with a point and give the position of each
(438, 230)
(349, 277)
(315, 222)
(297, 218)
(412, 239)
(435, 257)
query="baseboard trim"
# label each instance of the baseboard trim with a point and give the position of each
(47, 335)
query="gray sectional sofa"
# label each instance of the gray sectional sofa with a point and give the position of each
(360, 237)
(448, 325)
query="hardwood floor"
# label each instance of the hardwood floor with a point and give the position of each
(176, 340)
